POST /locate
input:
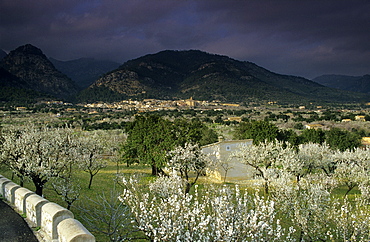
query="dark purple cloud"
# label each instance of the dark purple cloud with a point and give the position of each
(307, 37)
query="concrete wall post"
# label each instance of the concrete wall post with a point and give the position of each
(20, 196)
(9, 190)
(33, 209)
(71, 230)
(52, 214)
(3, 181)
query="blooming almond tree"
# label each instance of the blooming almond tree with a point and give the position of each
(12, 150)
(304, 204)
(317, 156)
(188, 159)
(67, 188)
(166, 186)
(351, 221)
(353, 168)
(39, 153)
(217, 214)
(91, 150)
(307, 159)
(308, 210)
(264, 157)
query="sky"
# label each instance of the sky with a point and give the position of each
(305, 38)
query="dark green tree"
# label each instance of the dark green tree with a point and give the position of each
(342, 139)
(288, 135)
(313, 136)
(193, 131)
(149, 139)
(259, 131)
(298, 126)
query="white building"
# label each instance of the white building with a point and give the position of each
(221, 152)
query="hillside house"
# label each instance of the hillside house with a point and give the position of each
(346, 120)
(21, 108)
(314, 126)
(231, 119)
(221, 152)
(360, 118)
(365, 141)
(231, 105)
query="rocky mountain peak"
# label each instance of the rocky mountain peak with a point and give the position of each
(29, 64)
(29, 50)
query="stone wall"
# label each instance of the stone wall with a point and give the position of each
(55, 223)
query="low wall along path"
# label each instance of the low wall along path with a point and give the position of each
(52, 221)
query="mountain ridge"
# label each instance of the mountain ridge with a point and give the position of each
(345, 82)
(168, 74)
(172, 74)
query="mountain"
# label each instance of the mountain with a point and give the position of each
(349, 83)
(13, 90)
(84, 71)
(33, 69)
(2, 54)
(9, 80)
(203, 76)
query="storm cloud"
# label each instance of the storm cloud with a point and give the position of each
(305, 38)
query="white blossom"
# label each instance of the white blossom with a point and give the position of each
(216, 214)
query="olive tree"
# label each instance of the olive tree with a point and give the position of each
(259, 131)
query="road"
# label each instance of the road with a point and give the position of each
(13, 228)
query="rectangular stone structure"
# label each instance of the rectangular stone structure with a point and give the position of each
(33, 209)
(71, 230)
(3, 181)
(52, 214)
(20, 196)
(9, 190)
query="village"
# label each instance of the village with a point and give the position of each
(155, 105)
